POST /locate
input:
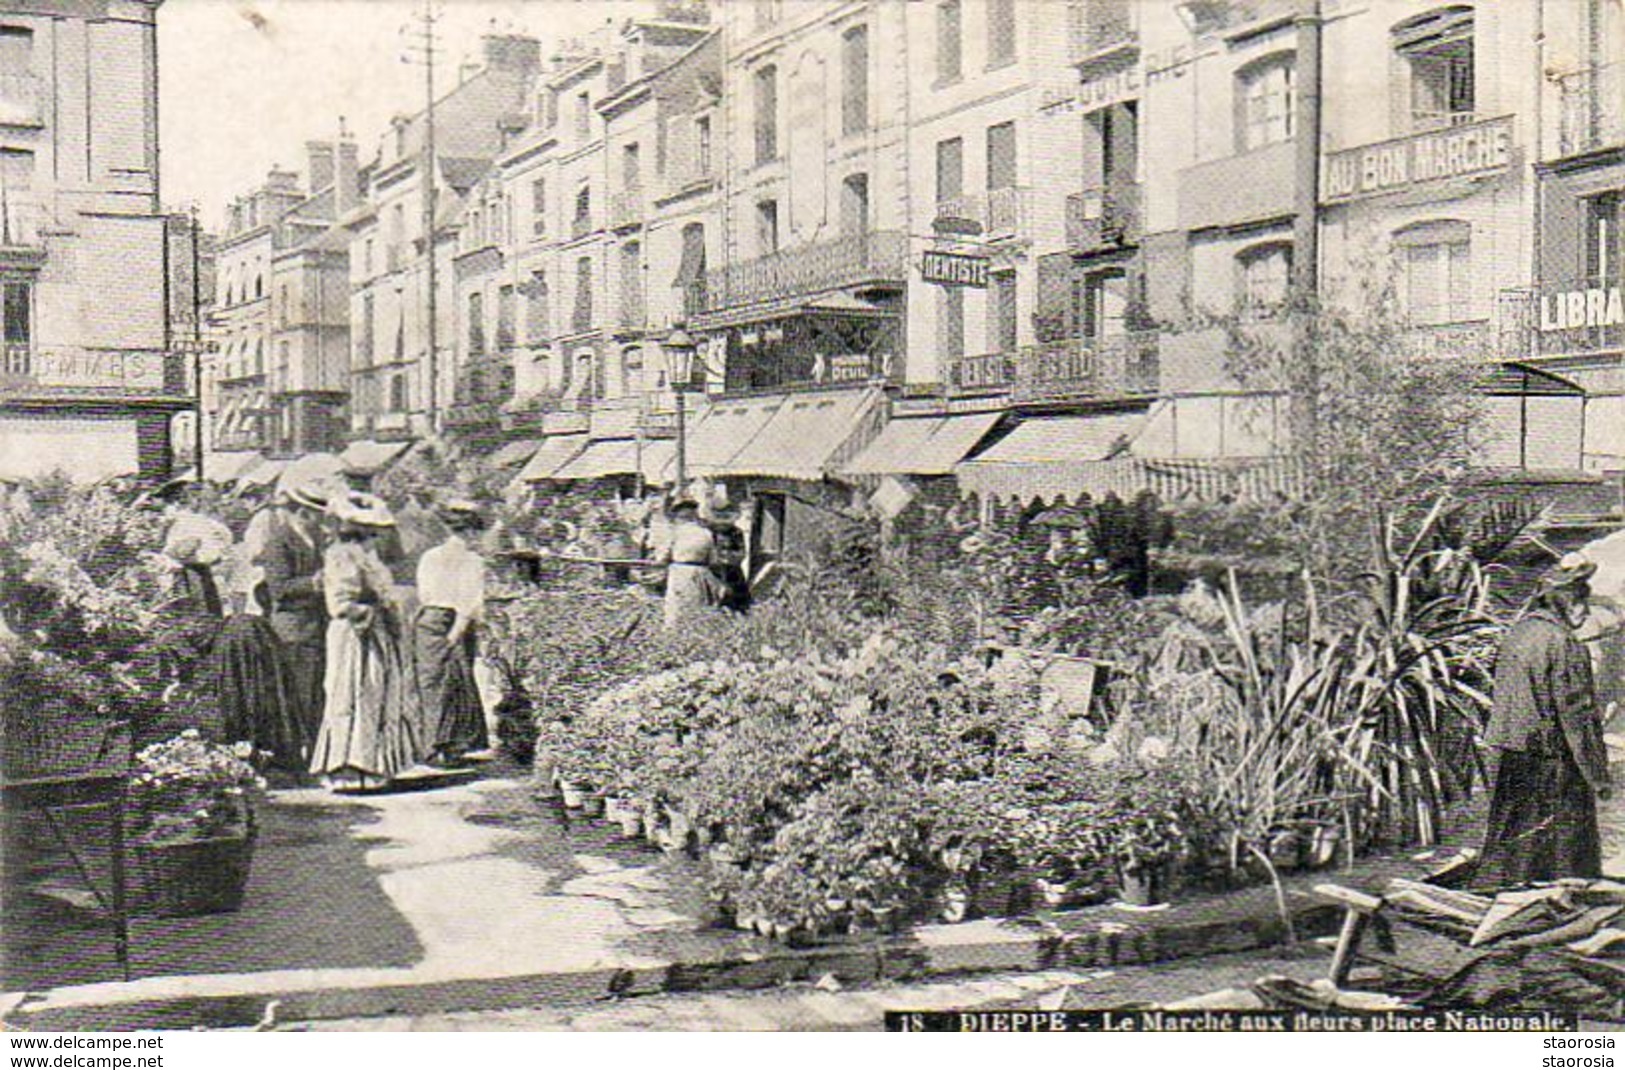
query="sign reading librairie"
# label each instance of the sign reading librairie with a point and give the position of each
(1473, 150)
(954, 269)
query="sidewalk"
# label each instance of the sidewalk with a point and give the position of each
(478, 897)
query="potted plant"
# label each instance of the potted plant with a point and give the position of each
(1147, 846)
(191, 826)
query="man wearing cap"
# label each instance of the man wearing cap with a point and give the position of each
(451, 592)
(284, 544)
(1549, 765)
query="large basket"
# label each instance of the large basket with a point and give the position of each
(184, 880)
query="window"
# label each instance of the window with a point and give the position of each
(855, 80)
(1001, 302)
(507, 312)
(950, 170)
(538, 310)
(581, 317)
(259, 286)
(16, 52)
(397, 392)
(1603, 247)
(1001, 156)
(583, 116)
(855, 204)
(767, 227)
(400, 329)
(538, 206)
(476, 324)
(397, 235)
(284, 306)
(691, 271)
(1437, 47)
(1264, 102)
(1001, 32)
(363, 342)
(951, 325)
(366, 260)
(766, 82)
(1435, 278)
(632, 285)
(948, 40)
(17, 309)
(1104, 304)
(552, 103)
(702, 135)
(1116, 132)
(259, 356)
(1263, 273)
(768, 12)
(631, 176)
(582, 223)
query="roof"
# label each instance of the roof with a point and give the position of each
(555, 452)
(462, 173)
(923, 446)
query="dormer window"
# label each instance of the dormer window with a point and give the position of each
(1437, 49)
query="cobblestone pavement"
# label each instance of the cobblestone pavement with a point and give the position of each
(805, 1007)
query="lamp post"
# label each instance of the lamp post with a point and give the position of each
(680, 349)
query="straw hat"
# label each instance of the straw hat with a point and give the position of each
(1571, 571)
(460, 512)
(357, 510)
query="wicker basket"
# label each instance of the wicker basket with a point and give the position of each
(184, 880)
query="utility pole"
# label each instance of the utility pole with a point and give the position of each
(1305, 281)
(425, 49)
(197, 350)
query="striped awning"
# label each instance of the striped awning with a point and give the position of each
(602, 459)
(923, 446)
(723, 431)
(556, 451)
(366, 457)
(1246, 479)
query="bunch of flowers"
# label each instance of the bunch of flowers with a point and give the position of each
(187, 789)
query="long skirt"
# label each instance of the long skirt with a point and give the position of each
(370, 721)
(255, 691)
(689, 589)
(451, 698)
(304, 648)
(1542, 823)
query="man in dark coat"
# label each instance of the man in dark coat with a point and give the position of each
(1549, 763)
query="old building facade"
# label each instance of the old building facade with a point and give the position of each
(88, 385)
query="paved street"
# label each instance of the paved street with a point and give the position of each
(804, 1007)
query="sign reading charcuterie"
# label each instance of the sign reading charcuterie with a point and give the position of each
(954, 269)
(1471, 151)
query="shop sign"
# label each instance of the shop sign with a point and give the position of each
(1473, 151)
(103, 368)
(954, 269)
(1596, 307)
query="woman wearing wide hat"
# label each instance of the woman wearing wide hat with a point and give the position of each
(1549, 763)
(370, 724)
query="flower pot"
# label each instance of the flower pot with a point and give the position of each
(651, 822)
(764, 927)
(573, 794)
(625, 815)
(184, 880)
(1146, 886)
(779, 931)
(545, 776)
(955, 905)
(677, 831)
(1323, 844)
(592, 804)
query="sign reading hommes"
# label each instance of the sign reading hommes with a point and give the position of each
(954, 269)
(99, 368)
(1471, 151)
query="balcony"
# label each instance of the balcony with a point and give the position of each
(1071, 369)
(1001, 213)
(1105, 217)
(20, 100)
(580, 226)
(1102, 27)
(627, 208)
(877, 257)
(1426, 122)
(1593, 109)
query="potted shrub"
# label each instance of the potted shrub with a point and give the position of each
(191, 826)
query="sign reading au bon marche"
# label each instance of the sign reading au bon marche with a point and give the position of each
(954, 269)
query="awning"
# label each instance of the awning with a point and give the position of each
(923, 446)
(659, 461)
(366, 457)
(812, 435)
(724, 429)
(601, 459)
(515, 453)
(555, 453)
(1057, 457)
(226, 466)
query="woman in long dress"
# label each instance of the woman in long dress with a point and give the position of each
(370, 729)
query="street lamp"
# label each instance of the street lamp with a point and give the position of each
(680, 350)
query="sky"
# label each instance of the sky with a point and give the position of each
(243, 84)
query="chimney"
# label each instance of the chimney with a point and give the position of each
(320, 157)
(514, 53)
(282, 181)
(347, 174)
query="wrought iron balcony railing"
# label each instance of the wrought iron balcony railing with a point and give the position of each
(1564, 316)
(1593, 109)
(1001, 213)
(1464, 340)
(1103, 217)
(852, 260)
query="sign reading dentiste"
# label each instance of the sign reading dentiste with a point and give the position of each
(1472, 151)
(954, 269)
